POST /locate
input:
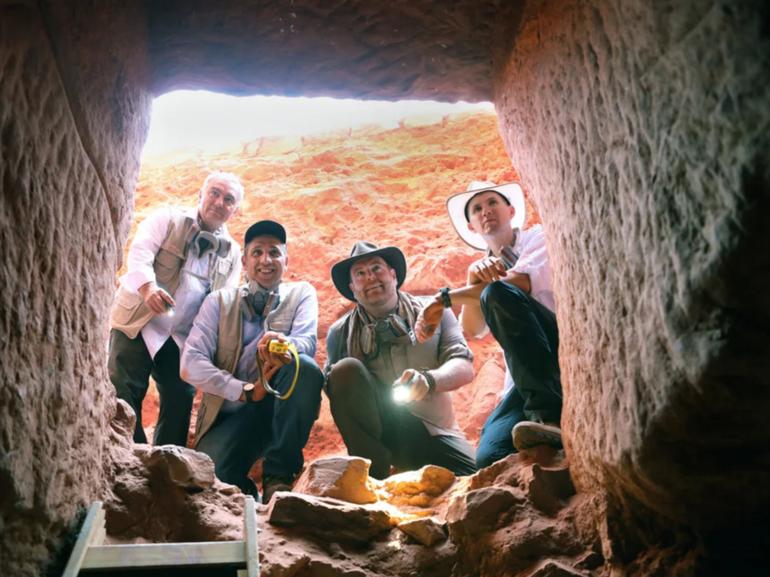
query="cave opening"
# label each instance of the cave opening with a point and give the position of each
(331, 170)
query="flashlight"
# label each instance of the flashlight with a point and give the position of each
(400, 394)
(402, 391)
(169, 310)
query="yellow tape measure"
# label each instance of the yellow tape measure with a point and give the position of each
(280, 348)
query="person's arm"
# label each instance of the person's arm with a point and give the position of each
(455, 369)
(533, 263)
(334, 346)
(140, 278)
(469, 297)
(196, 365)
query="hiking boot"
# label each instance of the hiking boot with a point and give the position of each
(528, 434)
(270, 485)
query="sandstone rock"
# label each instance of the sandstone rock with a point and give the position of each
(639, 127)
(179, 466)
(649, 321)
(328, 519)
(418, 488)
(344, 478)
(480, 510)
(426, 530)
(549, 487)
(123, 420)
(551, 568)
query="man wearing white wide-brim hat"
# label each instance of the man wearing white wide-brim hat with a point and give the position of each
(508, 292)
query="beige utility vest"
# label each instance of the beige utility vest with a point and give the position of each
(230, 341)
(129, 313)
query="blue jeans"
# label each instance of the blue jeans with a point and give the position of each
(275, 429)
(529, 337)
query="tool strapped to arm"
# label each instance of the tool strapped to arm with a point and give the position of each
(278, 347)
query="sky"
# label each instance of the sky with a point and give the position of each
(210, 122)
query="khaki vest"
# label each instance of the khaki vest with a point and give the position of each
(129, 313)
(230, 342)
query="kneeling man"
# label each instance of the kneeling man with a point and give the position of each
(508, 292)
(371, 348)
(228, 356)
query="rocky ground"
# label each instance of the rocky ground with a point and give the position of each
(519, 517)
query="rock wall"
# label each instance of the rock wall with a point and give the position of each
(640, 128)
(353, 49)
(641, 131)
(73, 116)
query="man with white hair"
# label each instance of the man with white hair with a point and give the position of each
(508, 292)
(177, 257)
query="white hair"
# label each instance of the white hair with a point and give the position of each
(228, 177)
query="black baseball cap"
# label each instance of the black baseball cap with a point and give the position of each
(265, 228)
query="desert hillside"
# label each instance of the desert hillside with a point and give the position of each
(387, 186)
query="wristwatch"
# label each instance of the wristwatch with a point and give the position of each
(429, 378)
(446, 300)
(248, 392)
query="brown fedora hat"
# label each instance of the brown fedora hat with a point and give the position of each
(364, 249)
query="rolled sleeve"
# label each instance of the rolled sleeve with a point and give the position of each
(141, 254)
(534, 263)
(197, 361)
(452, 344)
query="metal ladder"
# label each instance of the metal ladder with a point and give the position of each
(90, 553)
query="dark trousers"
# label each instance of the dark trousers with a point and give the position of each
(130, 367)
(375, 427)
(529, 337)
(277, 429)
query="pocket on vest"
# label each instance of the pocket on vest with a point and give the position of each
(167, 266)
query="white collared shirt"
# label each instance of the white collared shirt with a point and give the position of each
(194, 283)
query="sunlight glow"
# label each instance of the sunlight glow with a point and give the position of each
(208, 121)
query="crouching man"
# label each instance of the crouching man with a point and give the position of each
(371, 348)
(258, 400)
(508, 292)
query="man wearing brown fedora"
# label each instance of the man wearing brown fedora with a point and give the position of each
(508, 293)
(372, 348)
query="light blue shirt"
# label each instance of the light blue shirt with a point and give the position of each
(197, 359)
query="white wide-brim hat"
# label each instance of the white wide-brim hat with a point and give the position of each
(456, 204)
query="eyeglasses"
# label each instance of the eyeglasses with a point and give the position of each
(215, 192)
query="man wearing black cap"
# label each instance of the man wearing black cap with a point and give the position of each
(259, 398)
(509, 292)
(373, 347)
(176, 258)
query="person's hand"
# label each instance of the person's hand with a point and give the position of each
(429, 319)
(270, 360)
(486, 270)
(418, 385)
(156, 299)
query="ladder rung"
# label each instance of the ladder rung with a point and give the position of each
(165, 555)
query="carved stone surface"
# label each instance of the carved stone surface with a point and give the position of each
(67, 170)
(394, 50)
(641, 130)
